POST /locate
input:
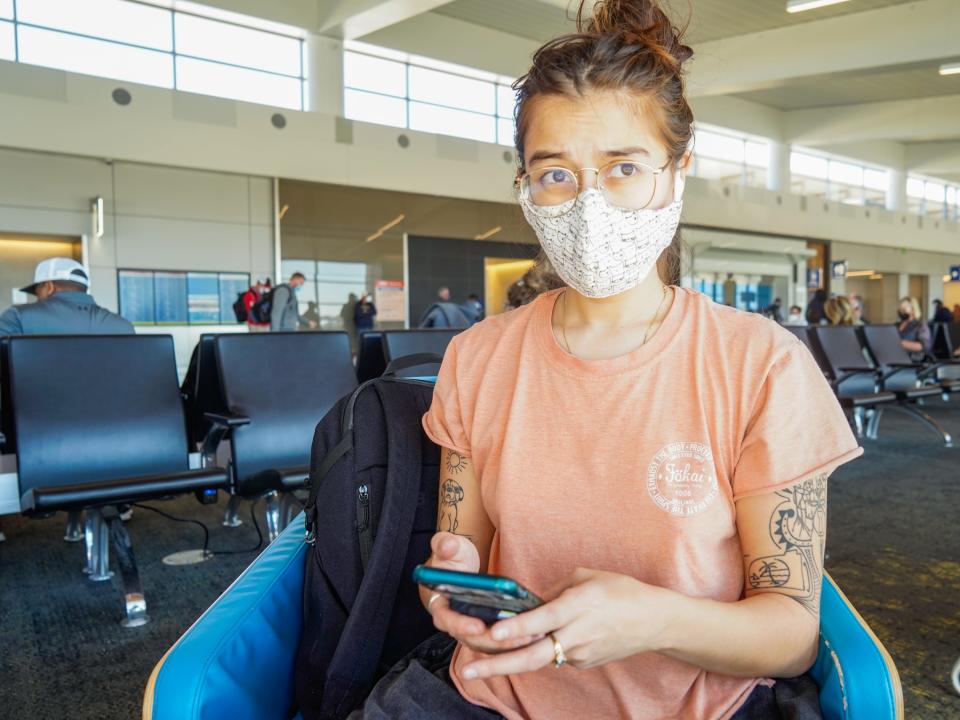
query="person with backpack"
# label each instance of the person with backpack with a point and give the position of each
(250, 298)
(617, 444)
(284, 311)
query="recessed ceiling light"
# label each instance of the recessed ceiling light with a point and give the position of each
(950, 69)
(795, 6)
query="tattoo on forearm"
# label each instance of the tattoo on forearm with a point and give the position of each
(455, 463)
(451, 497)
(798, 528)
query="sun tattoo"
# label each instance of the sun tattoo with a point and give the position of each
(456, 463)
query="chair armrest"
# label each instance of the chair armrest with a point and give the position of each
(236, 661)
(855, 673)
(858, 370)
(227, 421)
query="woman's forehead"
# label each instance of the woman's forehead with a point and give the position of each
(597, 120)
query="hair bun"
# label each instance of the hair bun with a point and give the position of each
(636, 22)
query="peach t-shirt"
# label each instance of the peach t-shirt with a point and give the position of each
(630, 465)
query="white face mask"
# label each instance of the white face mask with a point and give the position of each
(600, 250)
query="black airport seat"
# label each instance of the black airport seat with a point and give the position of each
(99, 422)
(854, 375)
(899, 373)
(277, 387)
(403, 343)
(201, 389)
(370, 360)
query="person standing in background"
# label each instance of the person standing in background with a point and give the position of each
(940, 313)
(285, 311)
(363, 314)
(250, 299)
(64, 305)
(443, 294)
(914, 333)
(815, 314)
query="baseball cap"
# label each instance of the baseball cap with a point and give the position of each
(58, 268)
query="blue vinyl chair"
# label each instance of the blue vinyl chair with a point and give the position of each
(236, 660)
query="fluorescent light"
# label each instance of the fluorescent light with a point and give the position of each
(283, 211)
(950, 69)
(876, 277)
(380, 231)
(860, 273)
(489, 233)
(795, 6)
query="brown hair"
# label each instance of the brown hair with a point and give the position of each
(625, 45)
(538, 279)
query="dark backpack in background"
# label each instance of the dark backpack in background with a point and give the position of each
(261, 309)
(371, 514)
(239, 308)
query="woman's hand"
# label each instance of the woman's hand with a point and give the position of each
(455, 552)
(597, 617)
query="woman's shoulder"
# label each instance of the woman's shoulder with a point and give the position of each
(741, 333)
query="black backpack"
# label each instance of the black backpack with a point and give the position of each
(239, 308)
(370, 516)
(261, 309)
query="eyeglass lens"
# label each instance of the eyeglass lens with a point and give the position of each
(624, 184)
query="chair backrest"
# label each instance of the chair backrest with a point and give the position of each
(940, 347)
(802, 333)
(201, 387)
(370, 360)
(88, 408)
(6, 416)
(285, 383)
(398, 343)
(952, 335)
(883, 342)
(842, 352)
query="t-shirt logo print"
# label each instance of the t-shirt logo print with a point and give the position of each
(681, 478)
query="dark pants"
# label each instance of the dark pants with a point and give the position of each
(419, 688)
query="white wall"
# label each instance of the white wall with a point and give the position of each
(74, 114)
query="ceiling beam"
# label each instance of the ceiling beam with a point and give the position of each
(351, 19)
(918, 119)
(915, 32)
(935, 158)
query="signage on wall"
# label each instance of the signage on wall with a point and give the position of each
(390, 297)
(838, 269)
(955, 273)
(813, 278)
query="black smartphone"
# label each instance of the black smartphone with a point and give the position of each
(488, 597)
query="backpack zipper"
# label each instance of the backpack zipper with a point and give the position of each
(363, 508)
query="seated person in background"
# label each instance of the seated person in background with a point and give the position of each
(617, 445)
(446, 314)
(914, 334)
(538, 279)
(838, 311)
(856, 304)
(795, 316)
(63, 307)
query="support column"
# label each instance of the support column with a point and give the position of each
(778, 171)
(896, 190)
(323, 63)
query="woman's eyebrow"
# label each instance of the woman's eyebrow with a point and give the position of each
(627, 151)
(547, 155)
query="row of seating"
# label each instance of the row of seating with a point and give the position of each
(100, 421)
(870, 371)
(946, 339)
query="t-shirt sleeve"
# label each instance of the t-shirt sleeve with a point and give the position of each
(443, 422)
(797, 429)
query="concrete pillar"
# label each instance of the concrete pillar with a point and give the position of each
(323, 63)
(903, 285)
(896, 190)
(778, 171)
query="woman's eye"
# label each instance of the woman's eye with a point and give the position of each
(625, 170)
(555, 177)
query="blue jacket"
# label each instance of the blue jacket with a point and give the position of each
(64, 313)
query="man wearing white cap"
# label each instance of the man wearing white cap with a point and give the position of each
(63, 307)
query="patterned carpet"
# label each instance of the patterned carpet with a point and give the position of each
(893, 548)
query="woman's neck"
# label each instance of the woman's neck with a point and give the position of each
(628, 309)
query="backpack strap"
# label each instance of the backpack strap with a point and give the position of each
(408, 361)
(378, 591)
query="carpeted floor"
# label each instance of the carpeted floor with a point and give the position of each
(893, 548)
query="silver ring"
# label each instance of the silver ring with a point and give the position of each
(559, 657)
(435, 596)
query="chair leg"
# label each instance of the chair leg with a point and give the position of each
(271, 503)
(858, 416)
(289, 508)
(873, 426)
(134, 602)
(925, 418)
(97, 544)
(231, 517)
(74, 529)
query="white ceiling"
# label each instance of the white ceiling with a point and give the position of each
(861, 74)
